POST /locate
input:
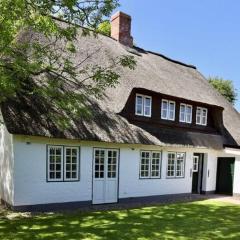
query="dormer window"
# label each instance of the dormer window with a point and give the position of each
(185, 113)
(201, 116)
(143, 106)
(168, 110)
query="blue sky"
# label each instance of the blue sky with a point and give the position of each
(204, 33)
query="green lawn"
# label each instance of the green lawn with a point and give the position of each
(197, 220)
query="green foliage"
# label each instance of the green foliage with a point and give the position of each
(105, 28)
(184, 221)
(46, 64)
(224, 87)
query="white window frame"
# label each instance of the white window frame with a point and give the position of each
(168, 110)
(195, 163)
(150, 165)
(65, 164)
(144, 97)
(175, 165)
(185, 113)
(49, 179)
(201, 109)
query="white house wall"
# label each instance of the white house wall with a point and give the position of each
(32, 188)
(236, 182)
(6, 166)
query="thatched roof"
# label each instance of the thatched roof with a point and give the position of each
(153, 72)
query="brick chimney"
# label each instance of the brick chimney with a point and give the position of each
(121, 28)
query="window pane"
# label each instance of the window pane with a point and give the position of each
(147, 102)
(99, 163)
(164, 114)
(171, 115)
(147, 106)
(71, 163)
(145, 161)
(74, 151)
(172, 106)
(204, 121)
(156, 159)
(164, 105)
(112, 164)
(189, 110)
(189, 114)
(182, 113)
(195, 164)
(204, 112)
(58, 175)
(55, 163)
(171, 165)
(58, 159)
(139, 105)
(180, 165)
(147, 111)
(139, 100)
(52, 175)
(68, 151)
(171, 111)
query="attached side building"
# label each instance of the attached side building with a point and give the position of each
(162, 131)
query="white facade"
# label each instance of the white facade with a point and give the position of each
(6, 166)
(24, 180)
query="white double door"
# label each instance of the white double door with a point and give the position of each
(105, 176)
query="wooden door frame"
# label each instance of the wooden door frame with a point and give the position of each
(200, 170)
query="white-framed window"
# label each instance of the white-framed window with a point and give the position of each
(71, 163)
(175, 165)
(195, 163)
(168, 110)
(62, 163)
(201, 116)
(150, 164)
(143, 105)
(185, 115)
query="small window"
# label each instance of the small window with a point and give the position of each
(195, 163)
(55, 163)
(150, 164)
(143, 106)
(201, 116)
(62, 167)
(168, 110)
(185, 113)
(71, 163)
(176, 165)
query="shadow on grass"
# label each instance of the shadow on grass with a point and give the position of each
(197, 220)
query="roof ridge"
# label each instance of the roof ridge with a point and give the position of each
(172, 60)
(134, 47)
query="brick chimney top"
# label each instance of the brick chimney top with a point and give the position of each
(121, 28)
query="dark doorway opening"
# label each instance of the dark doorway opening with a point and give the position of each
(225, 174)
(197, 172)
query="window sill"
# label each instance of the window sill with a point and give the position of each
(141, 115)
(175, 177)
(149, 178)
(62, 181)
